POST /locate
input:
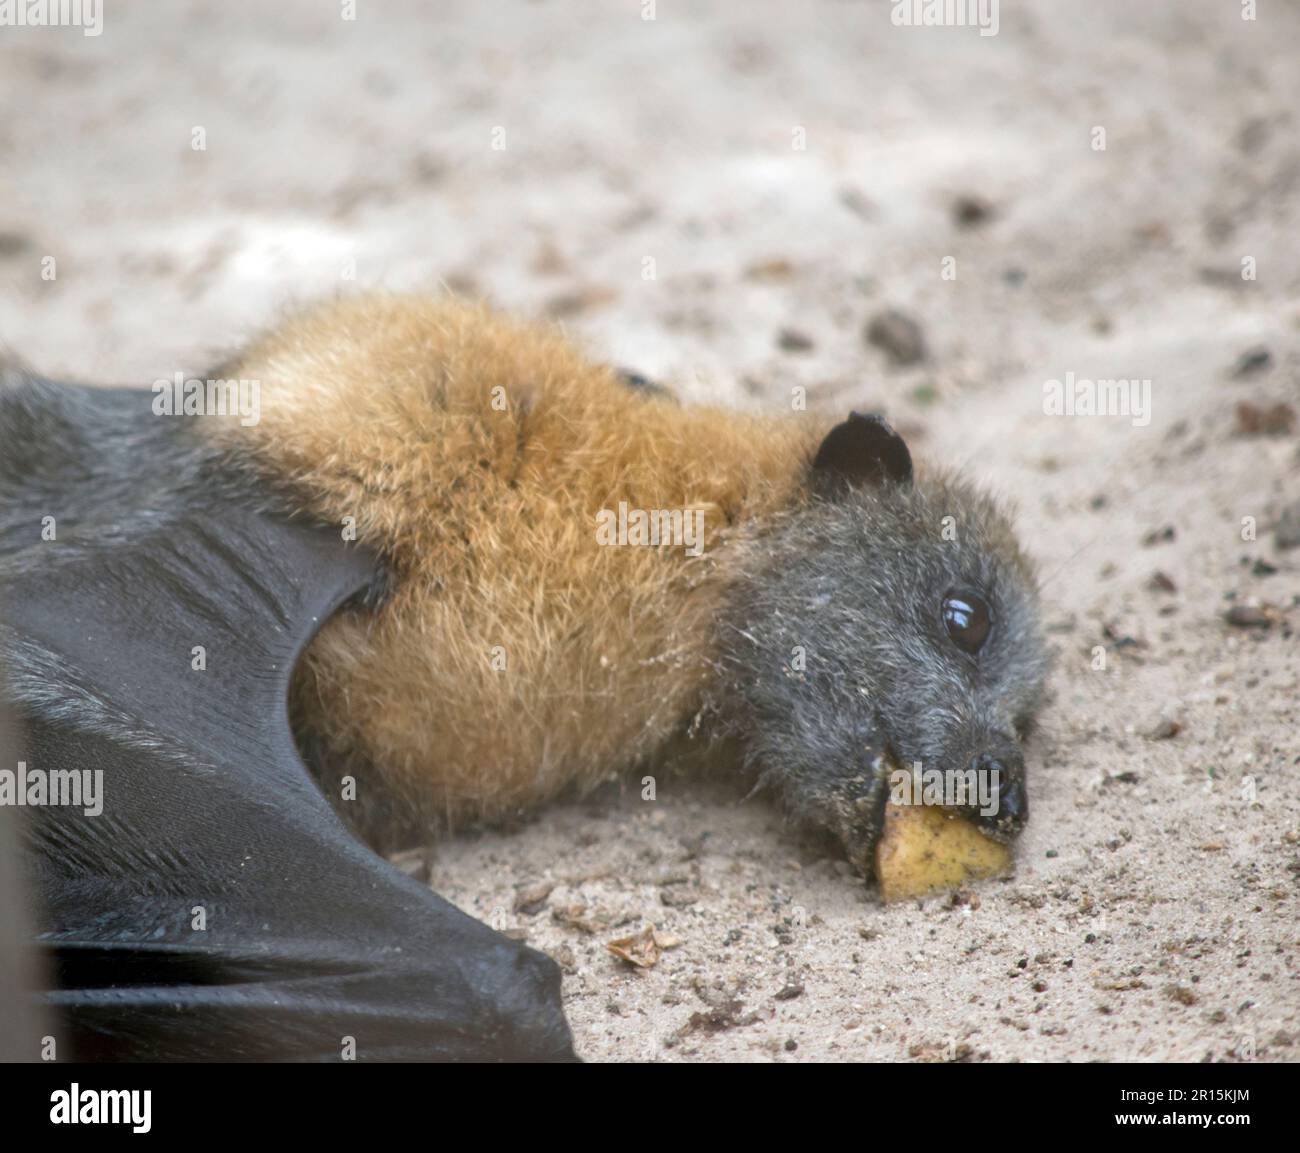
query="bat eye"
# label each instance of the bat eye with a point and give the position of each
(968, 620)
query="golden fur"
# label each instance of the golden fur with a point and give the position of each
(474, 454)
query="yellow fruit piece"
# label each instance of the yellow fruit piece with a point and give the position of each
(924, 848)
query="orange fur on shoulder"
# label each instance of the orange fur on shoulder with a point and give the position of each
(516, 655)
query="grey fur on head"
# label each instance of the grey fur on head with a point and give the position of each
(837, 651)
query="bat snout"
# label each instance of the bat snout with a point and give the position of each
(1003, 802)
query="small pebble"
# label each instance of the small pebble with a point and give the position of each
(971, 211)
(1252, 361)
(1264, 419)
(898, 336)
(1248, 617)
(1159, 535)
(1287, 533)
(792, 340)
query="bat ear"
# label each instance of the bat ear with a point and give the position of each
(862, 450)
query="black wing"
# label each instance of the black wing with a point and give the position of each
(157, 549)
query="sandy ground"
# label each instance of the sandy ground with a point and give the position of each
(1153, 914)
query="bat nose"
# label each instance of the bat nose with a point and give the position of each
(1013, 804)
(1010, 809)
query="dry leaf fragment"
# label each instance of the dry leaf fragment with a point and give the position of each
(531, 898)
(643, 949)
(583, 917)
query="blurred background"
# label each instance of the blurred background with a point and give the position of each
(740, 198)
